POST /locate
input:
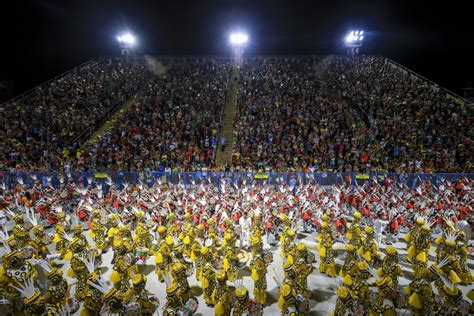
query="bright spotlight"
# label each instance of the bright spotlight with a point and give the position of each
(349, 38)
(354, 37)
(238, 38)
(353, 41)
(126, 43)
(126, 39)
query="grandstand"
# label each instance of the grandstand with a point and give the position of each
(290, 113)
(114, 173)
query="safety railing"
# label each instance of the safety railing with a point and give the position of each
(236, 179)
(436, 86)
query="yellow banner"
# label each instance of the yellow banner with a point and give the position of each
(362, 176)
(261, 176)
(101, 175)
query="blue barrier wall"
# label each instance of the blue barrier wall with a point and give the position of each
(10, 179)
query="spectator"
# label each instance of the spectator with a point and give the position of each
(223, 142)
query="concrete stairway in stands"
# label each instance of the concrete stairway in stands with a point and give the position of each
(227, 130)
(113, 119)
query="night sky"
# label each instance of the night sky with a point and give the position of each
(43, 38)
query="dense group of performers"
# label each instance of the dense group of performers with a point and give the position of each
(211, 233)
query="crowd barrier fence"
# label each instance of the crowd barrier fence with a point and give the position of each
(236, 179)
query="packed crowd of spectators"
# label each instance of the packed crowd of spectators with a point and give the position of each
(293, 114)
(292, 118)
(340, 114)
(413, 127)
(38, 130)
(173, 125)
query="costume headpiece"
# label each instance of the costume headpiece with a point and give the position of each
(240, 290)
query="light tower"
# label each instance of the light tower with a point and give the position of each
(238, 40)
(354, 42)
(126, 42)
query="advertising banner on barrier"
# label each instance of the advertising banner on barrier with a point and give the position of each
(261, 175)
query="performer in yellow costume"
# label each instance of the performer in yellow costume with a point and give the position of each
(57, 293)
(259, 271)
(359, 288)
(412, 235)
(327, 265)
(230, 256)
(287, 289)
(40, 242)
(21, 231)
(419, 250)
(78, 267)
(368, 247)
(241, 304)
(179, 275)
(221, 296)
(383, 304)
(350, 261)
(354, 233)
(93, 301)
(142, 240)
(138, 294)
(390, 267)
(114, 223)
(208, 277)
(14, 274)
(97, 231)
(163, 259)
(123, 263)
(421, 297)
(303, 269)
(62, 226)
(287, 243)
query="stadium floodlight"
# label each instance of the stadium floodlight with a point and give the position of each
(238, 39)
(353, 41)
(354, 38)
(127, 42)
(350, 37)
(127, 39)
